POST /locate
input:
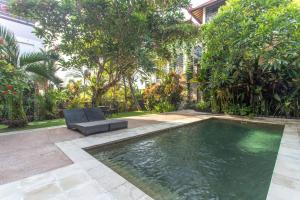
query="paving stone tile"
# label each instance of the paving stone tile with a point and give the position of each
(127, 191)
(291, 152)
(289, 182)
(73, 180)
(44, 192)
(110, 181)
(60, 197)
(287, 166)
(89, 179)
(76, 154)
(106, 196)
(13, 196)
(278, 192)
(36, 182)
(97, 173)
(66, 171)
(145, 197)
(11, 191)
(89, 164)
(90, 190)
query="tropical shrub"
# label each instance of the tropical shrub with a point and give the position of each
(164, 96)
(242, 110)
(76, 102)
(75, 91)
(14, 75)
(203, 106)
(151, 96)
(164, 107)
(47, 105)
(12, 85)
(251, 60)
(147, 28)
(172, 89)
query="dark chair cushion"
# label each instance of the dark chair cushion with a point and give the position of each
(74, 116)
(94, 114)
(116, 124)
(91, 121)
(89, 128)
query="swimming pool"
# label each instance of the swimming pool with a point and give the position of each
(211, 159)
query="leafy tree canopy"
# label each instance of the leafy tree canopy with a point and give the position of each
(251, 57)
(113, 38)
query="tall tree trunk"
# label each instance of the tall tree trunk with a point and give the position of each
(251, 87)
(46, 86)
(35, 102)
(188, 92)
(99, 92)
(96, 97)
(132, 91)
(125, 94)
(21, 111)
(114, 95)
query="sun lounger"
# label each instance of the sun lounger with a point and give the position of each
(91, 121)
(74, 116)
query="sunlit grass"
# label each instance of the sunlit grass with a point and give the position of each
(130, 114)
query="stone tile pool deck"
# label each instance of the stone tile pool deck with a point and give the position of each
(27, 153)
(63, 170)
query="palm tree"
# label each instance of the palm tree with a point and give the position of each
(41, 64)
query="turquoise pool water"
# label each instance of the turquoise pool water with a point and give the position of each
(212, 159)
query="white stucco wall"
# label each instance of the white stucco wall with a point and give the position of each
(24, 34)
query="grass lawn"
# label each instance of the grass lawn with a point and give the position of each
(58, 122)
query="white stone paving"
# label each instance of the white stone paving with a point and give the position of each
(89, 179)
(285, 183)
(71, 182)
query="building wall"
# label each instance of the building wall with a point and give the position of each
(22, 29)
(24, 34)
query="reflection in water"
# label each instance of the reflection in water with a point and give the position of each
(259, 141)
(213, 159)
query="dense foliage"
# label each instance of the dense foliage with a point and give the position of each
(246, 60)
(164, 97)
(12, 84)
(16, 72)
(251, 59)
(109, 43)
(113, 39)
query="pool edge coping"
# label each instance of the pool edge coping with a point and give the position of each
(285, 181)
(75, 151)
(278, 181)
(101, 182)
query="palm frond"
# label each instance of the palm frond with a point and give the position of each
(41, 56)
(44, 71)
(30, 58)
(40, 63)
(10, 49)
(38, 69)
